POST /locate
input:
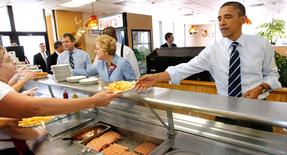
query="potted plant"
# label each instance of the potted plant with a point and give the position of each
(272, 31)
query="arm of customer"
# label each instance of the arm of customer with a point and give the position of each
(16, 105)
(128, 71)
(91, 70)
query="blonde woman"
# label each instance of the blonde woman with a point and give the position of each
(109, 66)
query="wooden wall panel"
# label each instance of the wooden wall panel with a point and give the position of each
(50, 33)
(65, 22)
(282, 50)
(140, 22)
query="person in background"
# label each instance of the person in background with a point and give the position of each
(52, 59)
(169, 40)
(40, 59)
(241, 65)
(16, 105)
(78, 59)
(108, 65)
(123, 50)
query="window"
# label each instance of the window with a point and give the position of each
(5, 41)
(4, 18)
(29, 20)
(31, 45)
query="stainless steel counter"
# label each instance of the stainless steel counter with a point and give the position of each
(199, 135)
(273, 113)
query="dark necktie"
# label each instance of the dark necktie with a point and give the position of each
(71, 60)
(234, 81)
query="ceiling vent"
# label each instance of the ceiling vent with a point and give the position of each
(125, 3)
(257, 5)
(4, 3)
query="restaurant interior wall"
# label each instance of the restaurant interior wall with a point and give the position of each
(65, 21)
(162, 25)
(205, 35)
(50, 32)
(90, 39)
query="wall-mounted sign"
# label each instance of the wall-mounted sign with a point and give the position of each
(115, 21)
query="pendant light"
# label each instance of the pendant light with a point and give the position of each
(93, 22)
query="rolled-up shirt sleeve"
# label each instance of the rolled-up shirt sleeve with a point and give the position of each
(270, 71)
(4, 90)
(184, 70)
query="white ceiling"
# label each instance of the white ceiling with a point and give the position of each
(168, 8)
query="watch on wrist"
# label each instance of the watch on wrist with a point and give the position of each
(263, 88)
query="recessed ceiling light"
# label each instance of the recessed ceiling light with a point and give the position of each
(76, 3)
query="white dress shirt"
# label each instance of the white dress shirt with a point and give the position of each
(256, 58)
(4, 90)
(44, 56)
(81, 58)
(129, 54)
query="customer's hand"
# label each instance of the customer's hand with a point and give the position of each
(146, 81)
(30, 92)
(8, 122)
(103, 98)
(25, 74)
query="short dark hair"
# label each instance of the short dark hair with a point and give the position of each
(237, 5)
(111, 31)
(57, 44)
(167, 35)
(72, 38)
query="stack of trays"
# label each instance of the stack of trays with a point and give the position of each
(61, 72)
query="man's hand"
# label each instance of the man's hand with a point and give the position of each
(146, 81)
(253, 93)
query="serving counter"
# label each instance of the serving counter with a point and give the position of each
(136, 119)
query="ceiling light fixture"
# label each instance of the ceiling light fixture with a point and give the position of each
(93, 22)
(77, 3)
(193, 30)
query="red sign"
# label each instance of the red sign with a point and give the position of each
(115, 21)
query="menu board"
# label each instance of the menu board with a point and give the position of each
(115, 21)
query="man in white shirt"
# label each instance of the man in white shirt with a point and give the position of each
(123, 50)
(255, 68)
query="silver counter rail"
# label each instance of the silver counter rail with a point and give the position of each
(272, 113)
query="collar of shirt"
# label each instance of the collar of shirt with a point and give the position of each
(57, 52)
(228, 43)
(44, 55)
